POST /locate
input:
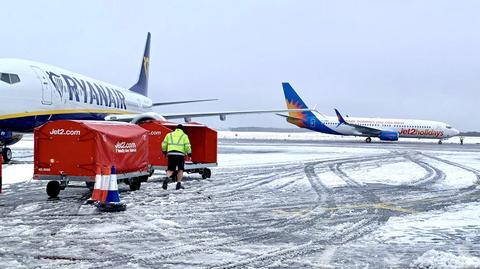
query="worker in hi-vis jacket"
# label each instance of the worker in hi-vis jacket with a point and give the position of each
(176, 145)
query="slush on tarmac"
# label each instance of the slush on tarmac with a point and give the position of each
(269, 204)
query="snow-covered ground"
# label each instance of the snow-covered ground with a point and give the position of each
(268, 205)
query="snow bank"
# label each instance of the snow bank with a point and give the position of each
(431, 227)
(439, 259)
(17, 173)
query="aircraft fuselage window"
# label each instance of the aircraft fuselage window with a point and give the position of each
(9, 78)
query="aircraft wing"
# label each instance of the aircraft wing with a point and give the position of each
(223, 114)
(188, 116)
(182, 102)
(361, 130)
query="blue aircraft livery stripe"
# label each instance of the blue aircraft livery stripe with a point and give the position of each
(28, 123)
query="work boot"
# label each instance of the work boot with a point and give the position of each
(179, 186)
(165, 183)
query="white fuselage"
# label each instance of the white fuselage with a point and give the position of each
(404, 127)
(45, 92)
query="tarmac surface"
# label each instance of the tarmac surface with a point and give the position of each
(268, 205)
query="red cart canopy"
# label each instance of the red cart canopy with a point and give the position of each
(202, 139)
(77, 148)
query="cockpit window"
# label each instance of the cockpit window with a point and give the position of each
(448, 127)
(5, 77)
(9, 78)
(14, 78)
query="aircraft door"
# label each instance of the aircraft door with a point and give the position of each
(47, 91)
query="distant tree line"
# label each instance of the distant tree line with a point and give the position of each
(298, 130)
(472, 133)
(267, 129)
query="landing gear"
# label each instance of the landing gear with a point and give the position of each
(440, 142)
(368, 140)
(7, 154)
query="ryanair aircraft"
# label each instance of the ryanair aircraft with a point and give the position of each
(34, 93)
(384, 129)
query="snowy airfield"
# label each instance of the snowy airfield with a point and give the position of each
(300, 200)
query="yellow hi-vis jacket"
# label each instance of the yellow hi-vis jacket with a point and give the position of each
(177, 142)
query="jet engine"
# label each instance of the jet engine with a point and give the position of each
(388, 136)
(8, 138)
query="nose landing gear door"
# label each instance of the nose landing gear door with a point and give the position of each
(47, 93)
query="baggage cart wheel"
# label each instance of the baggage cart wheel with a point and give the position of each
(90, 185)
(144, 178)
(53, 188)
(206, 173)
(135, 183)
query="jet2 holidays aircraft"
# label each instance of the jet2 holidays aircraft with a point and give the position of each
(33, 93)
(384, 129)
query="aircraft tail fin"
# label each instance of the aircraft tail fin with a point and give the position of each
(341, 120)
(295, 102)
(141, 86)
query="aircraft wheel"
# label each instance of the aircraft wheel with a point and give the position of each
(439, 142)
(7, 154)
(368, 140)
(53, 189)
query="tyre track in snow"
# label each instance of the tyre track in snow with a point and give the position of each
(252, 234)
(433, 174)
(427, 199)
(461, 166)
(351, 231)
(285, 226)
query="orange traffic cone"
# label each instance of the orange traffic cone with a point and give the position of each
(96, 194)
(112, 202)
(104, 185)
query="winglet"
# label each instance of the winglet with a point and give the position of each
(340, 118)
(141, 86)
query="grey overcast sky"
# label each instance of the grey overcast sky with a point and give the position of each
(402, 59)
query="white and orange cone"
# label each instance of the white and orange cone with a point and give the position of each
(112, 201)
(104, 185)
(96, 193)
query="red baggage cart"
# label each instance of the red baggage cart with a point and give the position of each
(202, 139)
(70, 150)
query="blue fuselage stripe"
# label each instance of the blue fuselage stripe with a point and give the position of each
(318, 126)
(27, 124)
